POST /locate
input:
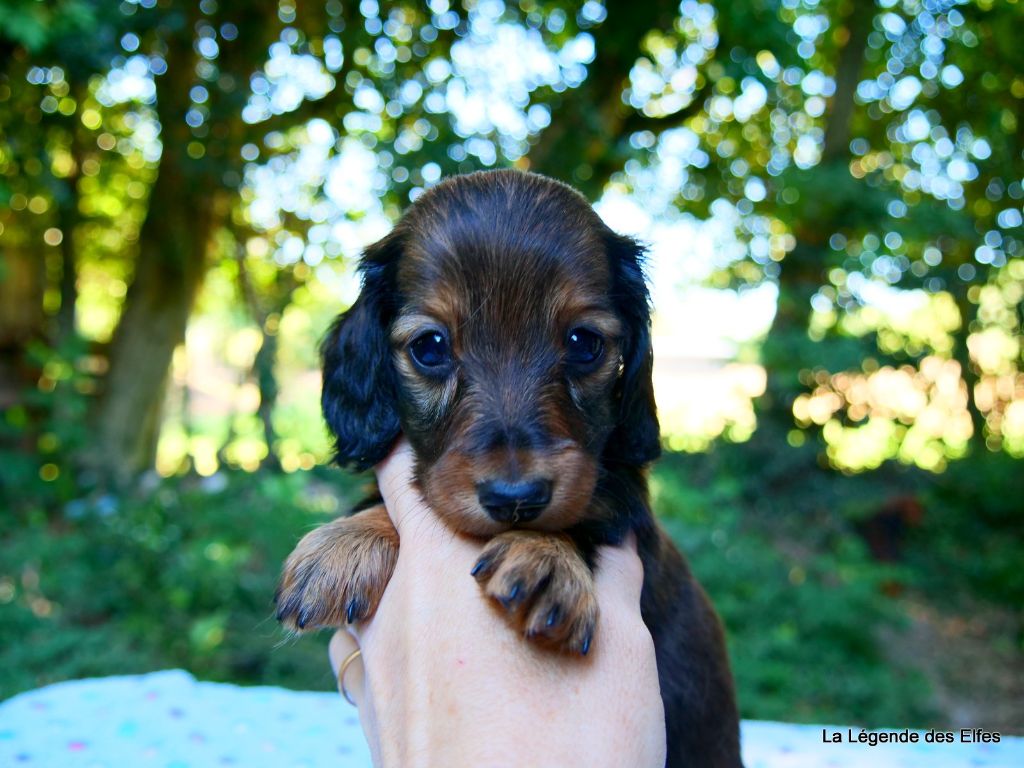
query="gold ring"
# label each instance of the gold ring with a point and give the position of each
(341, 675)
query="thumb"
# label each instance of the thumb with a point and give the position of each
(402, 498)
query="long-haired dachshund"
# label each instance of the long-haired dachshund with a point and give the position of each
(504, 329)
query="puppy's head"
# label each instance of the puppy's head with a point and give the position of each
(505, 330)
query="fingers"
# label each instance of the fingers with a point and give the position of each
(395, 471)
(342, 646)
(395, 480)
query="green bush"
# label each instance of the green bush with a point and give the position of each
(43, 430)
(183, 575)
(803, 622)
(180, 577)
(970, 544)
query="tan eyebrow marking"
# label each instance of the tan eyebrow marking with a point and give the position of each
(407, 325)
(600, 320)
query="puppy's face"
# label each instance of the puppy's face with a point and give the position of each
(513, 341)
(507, 357)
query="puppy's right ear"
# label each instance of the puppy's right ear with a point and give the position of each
(636, 439)
(358, 396)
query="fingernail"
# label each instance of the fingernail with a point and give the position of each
(586, 645)
(480, 565)
(302, 619)
(552, 618)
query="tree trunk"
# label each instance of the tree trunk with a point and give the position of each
(169, 271)
(588, 137)
(68, 277)
(263, 368)
(967, 371)
(280, 296)
(68, 218)
(170, 268)
(22, 281)
(848, 69)
(787, 349)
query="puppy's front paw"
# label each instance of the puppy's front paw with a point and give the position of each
(544, 587)
(338, 572)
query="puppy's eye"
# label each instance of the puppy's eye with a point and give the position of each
(583, 347)
(430, 350)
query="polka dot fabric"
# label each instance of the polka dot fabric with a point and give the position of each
(170, 720)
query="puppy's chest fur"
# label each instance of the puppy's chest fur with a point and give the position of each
(504, 330)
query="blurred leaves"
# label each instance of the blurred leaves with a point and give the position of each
(804, 625)
(182, 576)
(227, 160)
(36, 26)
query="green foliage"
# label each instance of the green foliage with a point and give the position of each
(803, 622)
(785, 119)
(45, 429)
(182, 576)
(36, 25)
(971, 542)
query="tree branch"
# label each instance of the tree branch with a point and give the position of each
(583, 144)
(848, 69)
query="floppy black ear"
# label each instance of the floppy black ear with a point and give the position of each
(358, 396)
(636, 438)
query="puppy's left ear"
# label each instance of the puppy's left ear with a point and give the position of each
(636, 439)
(359, 389)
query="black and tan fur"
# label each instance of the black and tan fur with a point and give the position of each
(505, 265)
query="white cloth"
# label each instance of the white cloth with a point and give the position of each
(171, 720)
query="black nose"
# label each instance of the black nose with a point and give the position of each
(514, 502)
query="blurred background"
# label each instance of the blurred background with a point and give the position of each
(832, 195)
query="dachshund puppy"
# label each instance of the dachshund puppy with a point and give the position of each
(504, 329)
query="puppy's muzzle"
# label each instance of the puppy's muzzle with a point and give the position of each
(514, 502)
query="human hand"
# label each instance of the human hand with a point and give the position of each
(443, 680)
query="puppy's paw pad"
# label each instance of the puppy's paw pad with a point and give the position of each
(336, 575)
(543, 586)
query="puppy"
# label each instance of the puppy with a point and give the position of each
(505, 331)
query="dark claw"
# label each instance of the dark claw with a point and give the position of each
(510, 599)
(553, 617)
(353, 610)
(481, 564)
(585, 649)
(303, 619)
